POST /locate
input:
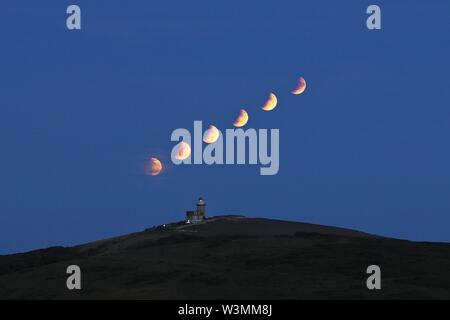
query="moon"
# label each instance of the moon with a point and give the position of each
(242, 119)
(211, 135)
(271, 102)
(155, 166)
(184, 151)
(301, 86)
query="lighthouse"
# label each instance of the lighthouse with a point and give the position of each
(198, 215)
(201, 207)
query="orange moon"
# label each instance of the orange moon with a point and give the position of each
(155, 166)
(301, 86)
(242, 119)
(271, 103)
(211, 135)
(184, 151)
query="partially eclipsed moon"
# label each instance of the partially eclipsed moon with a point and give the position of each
(211, 135)
(184, 151)
(301, 86)
(242, 119)
(271, 103)
(155, 166)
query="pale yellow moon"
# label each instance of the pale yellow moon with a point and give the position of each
(155, 166)
(211, 135)
(301, 86)
(242, 119)
(184, 151)
(271, 103)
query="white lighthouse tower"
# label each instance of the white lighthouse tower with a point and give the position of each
(198, 215)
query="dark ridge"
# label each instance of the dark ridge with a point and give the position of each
(233, 257)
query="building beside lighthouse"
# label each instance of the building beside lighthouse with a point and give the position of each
(198, 215)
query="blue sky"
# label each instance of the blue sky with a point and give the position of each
(365, 147)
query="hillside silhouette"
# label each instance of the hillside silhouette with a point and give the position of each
(233, 257)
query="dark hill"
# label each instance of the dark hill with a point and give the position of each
(233, 257)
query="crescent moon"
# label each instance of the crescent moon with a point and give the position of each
(155, 166)
(211, 135)
(301, 86)
(271, 103)
(184, 151)
(242, 119)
